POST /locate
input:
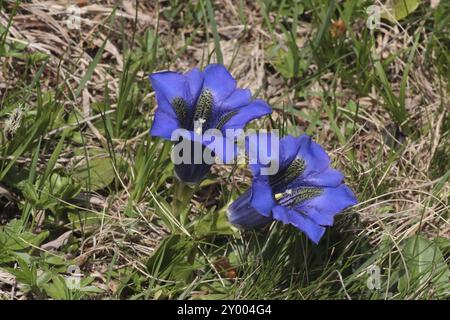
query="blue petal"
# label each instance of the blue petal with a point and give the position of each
(263, 150)
(195, 81)
(166, 107)
(281, 214)
(328, 178)
(255, 168)
(239, 98)
(332, 201)
(191, 173)
(163, 125)
(224, 148)
(315, 157)
(219, 81)
(170, 85)
(220, 145)
(254, 110)
(242, 214)
(307, 225)
(289, 147)
(262, 199)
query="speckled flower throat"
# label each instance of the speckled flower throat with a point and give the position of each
(285, 191)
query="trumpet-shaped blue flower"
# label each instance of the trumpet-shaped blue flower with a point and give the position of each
(305, 192)
(197, 101)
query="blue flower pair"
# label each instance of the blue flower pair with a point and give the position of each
(305, 192)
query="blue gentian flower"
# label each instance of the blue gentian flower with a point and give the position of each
(209, 98)
(305, 192)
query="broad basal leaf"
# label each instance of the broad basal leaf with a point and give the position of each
(424, 264)
(399, 9)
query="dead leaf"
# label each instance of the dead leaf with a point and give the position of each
(58, 242)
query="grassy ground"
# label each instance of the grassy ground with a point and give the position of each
(84, 188)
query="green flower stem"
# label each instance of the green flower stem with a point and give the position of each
(182, 195)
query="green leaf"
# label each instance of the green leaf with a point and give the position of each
(98, 171)
(37, 57)
(163, 210)
(214, 223)
(53, 159)
(444, 244)
(85, 219)
(399, 9)
(13, 239)
(282, 60)
(173, 259)
(57, 289)
(182, 195)
(90, 71)
(214, 296)
(91, 289)
(287, 60)
(424, 264)
(214, 31)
